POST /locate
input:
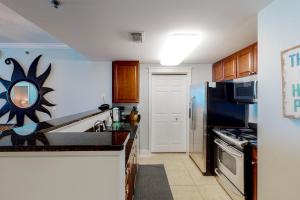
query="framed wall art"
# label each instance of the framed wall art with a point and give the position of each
(290, 64)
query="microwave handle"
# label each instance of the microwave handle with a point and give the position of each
(255, 90)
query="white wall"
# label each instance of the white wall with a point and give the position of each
(200, 73)
(78, 84)
(278, 139)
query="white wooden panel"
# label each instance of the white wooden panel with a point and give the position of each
(44, 177)
(168, 113)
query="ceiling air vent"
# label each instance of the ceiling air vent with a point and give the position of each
(137, 36)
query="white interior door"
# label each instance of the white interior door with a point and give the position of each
(169, 112)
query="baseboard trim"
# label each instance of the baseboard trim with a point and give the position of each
(145, 152)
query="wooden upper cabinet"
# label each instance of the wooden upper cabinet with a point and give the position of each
(125, 82)
(255, 59)
(218, 72)
(229, 65)
(245, 62)
(240, 64)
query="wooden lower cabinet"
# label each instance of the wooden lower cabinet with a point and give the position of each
(130, 177)
(254, 173)
(131, 170)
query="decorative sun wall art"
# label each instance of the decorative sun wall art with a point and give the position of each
(24, 95)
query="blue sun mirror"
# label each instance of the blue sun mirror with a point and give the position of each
(24, 94)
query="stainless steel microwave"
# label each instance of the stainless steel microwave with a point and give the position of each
(245, 92)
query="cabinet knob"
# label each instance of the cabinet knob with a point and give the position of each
(253, 163)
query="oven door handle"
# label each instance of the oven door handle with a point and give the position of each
(228, 150)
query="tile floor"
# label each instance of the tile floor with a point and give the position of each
(185, 179)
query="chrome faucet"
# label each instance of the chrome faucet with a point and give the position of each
(97, 125)
(102, 126)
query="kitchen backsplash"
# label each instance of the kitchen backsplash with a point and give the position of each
(252, 107)
(253, 113)
(127, 106)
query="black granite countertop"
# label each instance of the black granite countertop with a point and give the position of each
(18, 140)
(37, 136)
(46, 126)
(124, 126)
(130, 127)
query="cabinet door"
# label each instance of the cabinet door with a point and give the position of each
(254, 174)
(255, 59)
(128, 195)
(218, 74)
(138, 145)
(130, 178)
(125, 82)
(229, 68)
(245, 62)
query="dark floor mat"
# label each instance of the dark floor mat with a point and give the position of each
(152, 183)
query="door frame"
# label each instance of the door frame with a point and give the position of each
(187, 71)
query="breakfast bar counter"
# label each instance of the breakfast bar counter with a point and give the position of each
(74, 162)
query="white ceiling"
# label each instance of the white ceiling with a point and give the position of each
(99, 28)
(17, 29)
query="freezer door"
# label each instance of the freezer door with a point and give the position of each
(199, 126)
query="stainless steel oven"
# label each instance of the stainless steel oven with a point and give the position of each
(230, 169)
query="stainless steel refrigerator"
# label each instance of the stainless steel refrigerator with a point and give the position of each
(211, 105)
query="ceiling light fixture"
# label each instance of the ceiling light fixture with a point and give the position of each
(178, 47)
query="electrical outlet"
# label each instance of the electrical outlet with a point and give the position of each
(103, 98)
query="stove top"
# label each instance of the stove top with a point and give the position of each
(237, 136)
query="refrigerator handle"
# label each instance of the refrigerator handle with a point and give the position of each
(191, 108)
(193, 113)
